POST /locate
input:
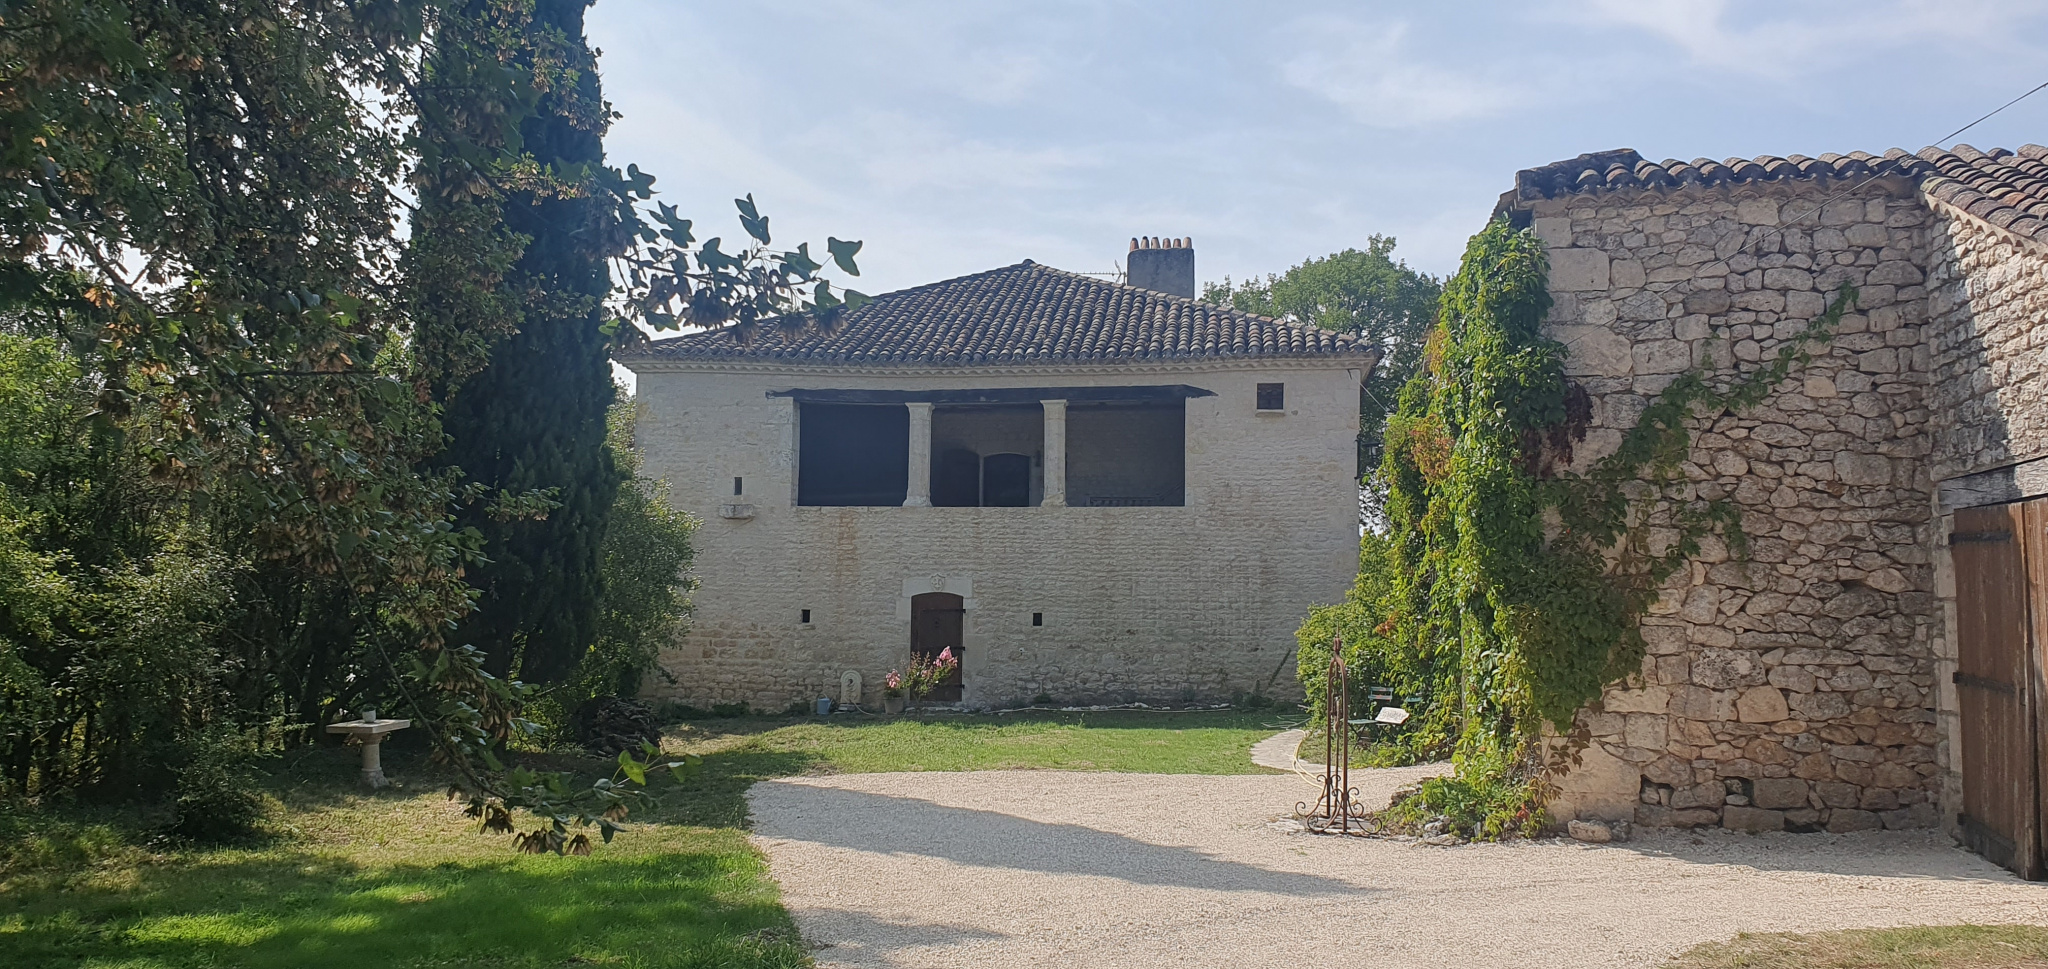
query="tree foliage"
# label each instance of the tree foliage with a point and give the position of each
(223, 497)
(1364, 292)
(532, 419)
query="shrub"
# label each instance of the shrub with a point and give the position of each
(608, 724)
(218, 800)
(1489, 798)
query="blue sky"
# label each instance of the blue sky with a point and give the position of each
(953, 137)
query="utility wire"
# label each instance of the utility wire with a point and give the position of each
(2008, 104)
(1867, 179)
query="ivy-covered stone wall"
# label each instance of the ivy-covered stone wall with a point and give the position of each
(1792, 688)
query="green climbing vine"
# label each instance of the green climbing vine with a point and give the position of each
(1507, 589)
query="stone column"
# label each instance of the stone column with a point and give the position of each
(1055, 454)
(920, 493)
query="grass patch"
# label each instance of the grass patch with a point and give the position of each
(396, 878)
(739, 752)
(1128, 741)
(1912, 947)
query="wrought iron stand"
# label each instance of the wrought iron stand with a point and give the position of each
(1338, 811)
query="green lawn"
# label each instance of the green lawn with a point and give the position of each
(401, 879)
(1913, 947)
(739, 752)
(396, 879)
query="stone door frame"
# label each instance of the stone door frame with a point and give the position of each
(973, 662)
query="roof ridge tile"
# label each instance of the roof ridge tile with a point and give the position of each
(2002, 186)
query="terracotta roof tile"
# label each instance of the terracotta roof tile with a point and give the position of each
(2005, 188)
(1026, 313)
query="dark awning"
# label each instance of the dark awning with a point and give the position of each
(999, 395)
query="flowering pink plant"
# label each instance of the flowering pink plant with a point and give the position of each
(926, 674)
(892, 685)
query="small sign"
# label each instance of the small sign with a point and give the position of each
(1391, 715)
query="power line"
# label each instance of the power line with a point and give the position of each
(1867, 179)
(1973, 124)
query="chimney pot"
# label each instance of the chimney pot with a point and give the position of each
(1163, 265)
(1134, 243)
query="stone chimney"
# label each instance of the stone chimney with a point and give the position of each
(1162, 266)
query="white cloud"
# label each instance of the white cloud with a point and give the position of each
(900, 152)
(1774, 40)
(1364, 68)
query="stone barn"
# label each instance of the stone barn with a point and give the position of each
(1877, 659)
(1090, 491)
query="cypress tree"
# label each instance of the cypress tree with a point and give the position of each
(533, 418)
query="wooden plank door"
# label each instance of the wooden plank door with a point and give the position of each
(938, 621)
(2032, 519)
(1995, 689)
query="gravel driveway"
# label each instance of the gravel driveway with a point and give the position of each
(1044, 868)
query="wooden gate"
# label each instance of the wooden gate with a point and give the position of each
(1999, 678)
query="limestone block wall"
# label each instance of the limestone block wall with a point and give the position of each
(1794, 689)
(1139, 603)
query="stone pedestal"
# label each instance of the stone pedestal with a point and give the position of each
(370, 733)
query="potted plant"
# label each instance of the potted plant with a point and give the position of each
(892, 693)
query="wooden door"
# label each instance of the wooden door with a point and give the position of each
(938, 621)
(2032, 519)
(1997, 683)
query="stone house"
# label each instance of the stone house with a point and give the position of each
(1876, 661)
(1090, 491)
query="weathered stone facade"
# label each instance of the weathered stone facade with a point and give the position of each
(1806, 687)
(1154, 604)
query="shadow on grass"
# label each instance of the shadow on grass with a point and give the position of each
(713, 797)
(716, 796)
(687, 909)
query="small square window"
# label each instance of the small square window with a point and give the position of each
(1038, 619)
(1272, 396)
(807, 617)
(738, 486)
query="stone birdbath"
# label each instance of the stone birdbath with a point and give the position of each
(369, 731)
